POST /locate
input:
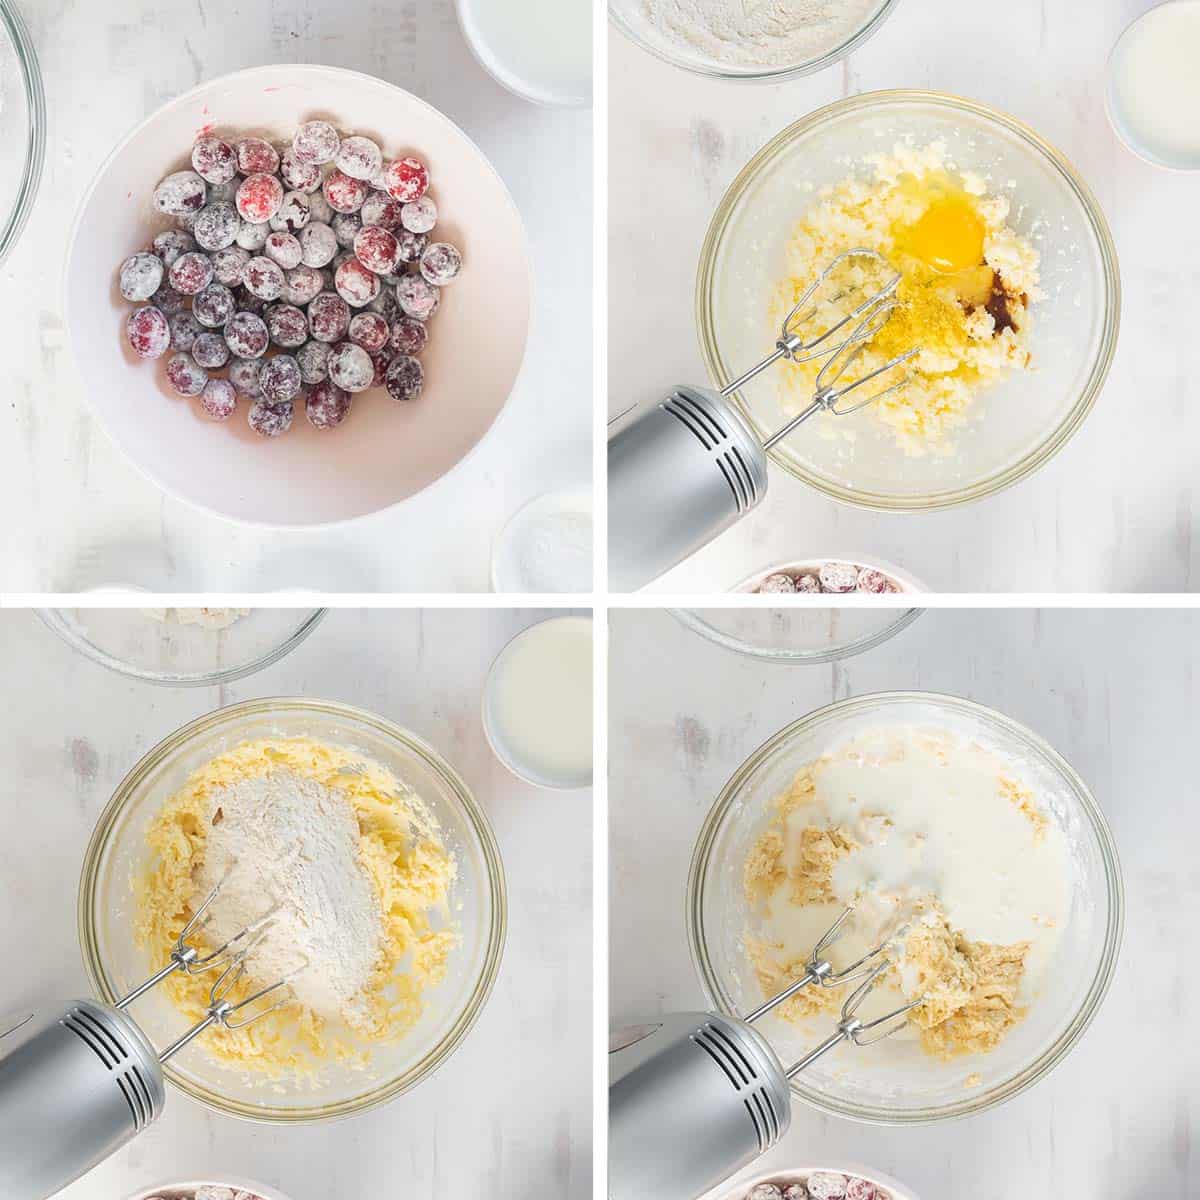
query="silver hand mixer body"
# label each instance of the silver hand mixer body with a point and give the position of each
(683, 470)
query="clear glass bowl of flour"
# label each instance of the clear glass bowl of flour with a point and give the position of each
(22, 126)
(897, 1083)
(729, 39)
(117, 854)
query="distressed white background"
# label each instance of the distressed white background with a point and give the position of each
(509, 1115)
(78, 514)
(1117, 509)
(1116, 693)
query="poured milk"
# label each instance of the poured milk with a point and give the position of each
(1154, 86)
(539, 703)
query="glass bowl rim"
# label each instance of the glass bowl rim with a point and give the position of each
(1096, 822)
(1096, 222)
(768, 75)
(906, 616)
(51, 618)
(35, 153)
(476, 818)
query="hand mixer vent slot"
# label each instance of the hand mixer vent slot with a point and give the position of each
(105, 1046)
(709, 432)
(741, 1072)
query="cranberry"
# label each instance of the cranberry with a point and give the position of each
(409, 336)
(826, 1185)
(875, 582)
(359, 158)
(171, 244)
(280, 379)
(270, 420)
(246, 335)
(148, 332)
(778, 585)
(210, 351)
(387, 306)
(247, 301)
(252, 235)
(764, 1191)
(192, 273)
(214, 306)
(316, 142)
(380, 209)
(345, 195)
(294, 213)
(405, 378)
(377, 250)
(412, 245)
(185, 376)
(288, 326)
(370, 331)
(318, 244)
(860, 1189)
(141, 276)
(214, 160)
(407, 179)
(284, 249)
(303, 284)
(184, 331)
(838, 577)
(419, 216)
(180, 194)
(313, 358)
(382, 360)
(243, 374)
(441, 263)
(219, 399)
(795, 1191)
(168, 300)
(264, 278)
(350, 367)
(318, 206)
(356, 284)
(256, 157)
(346, 227)
(299, 176)
(229, 265)
(328, 405)
(216, 226)
(417, 297)
(259, 198)
(328, 317)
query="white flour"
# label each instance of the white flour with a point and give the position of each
(296, 847)
(758, 33)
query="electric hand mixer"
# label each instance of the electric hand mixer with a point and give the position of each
(695, 1097)
(88, 1080)
(690, 466)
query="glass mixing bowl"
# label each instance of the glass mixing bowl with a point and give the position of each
(1015, 426)
(132, 643)
(629, 16)
(22, 126)
(912, 1088)
(117, 854)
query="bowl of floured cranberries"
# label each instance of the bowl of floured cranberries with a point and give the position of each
(829, 577)
(818, 1185)
(208, 1191)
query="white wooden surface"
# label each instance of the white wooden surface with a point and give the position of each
(1117, 694)
(87, 517)
(1117, 509)
(509, 1115)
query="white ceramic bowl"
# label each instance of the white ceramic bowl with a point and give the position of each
(186, 1187)
(385, 452)
(741, 1189)
(905, 581)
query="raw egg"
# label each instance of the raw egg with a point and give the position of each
(948, 237)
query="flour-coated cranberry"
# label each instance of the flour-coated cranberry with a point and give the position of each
(418, 298)
(381, 360)
(370, 331)
(210, 351)
(294, 213)
(387, 306)
(873, 582)
(838, 577)
(259, 198)
(313, 358)
(141, 276)
(408, 336)
(380, 209)
(327, 405)
(214, 160)
(441, 263)
(214, 306)
(243, 374)
(419, 216)
(316, 142)
(299, 176)
(148, 332)
(359, 157)
(328, 317)
(185, 375)
(318, 244)
(256, 157)
(764, 1191)
(252, 235)
(791, 1191)
(288, 325)
(356, 284)
(219, 399)
(216, 226)
(280, 379)
(184, 331)
(229, 265)
(319, 207)
(407, 179)
(808, 585)
(270, 420)
(284, 249)
(346, 227)
(345, 195)
(826, 1185)
(264, 278)
(377, 250)
(192, 273)
(180, 194)
(778, 585)
(247, 335)
(860, 1189)
(412, 245)
(302, 285)
(405, 378)
(168, 300)
(171, 244)
(350, 367)
(247, 301)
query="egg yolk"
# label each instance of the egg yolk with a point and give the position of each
(948, 237)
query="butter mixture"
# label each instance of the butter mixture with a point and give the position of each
(948, 860)
(967, 283)
(352, 869)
